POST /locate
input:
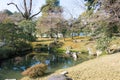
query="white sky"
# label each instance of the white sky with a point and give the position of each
(70, 6)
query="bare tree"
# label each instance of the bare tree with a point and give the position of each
(112, 7)
(27, 9)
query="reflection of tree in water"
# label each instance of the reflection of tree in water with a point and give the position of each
(53, 57)
(50, 59)
(17, 63)
(53, 52)
(41, 57)
(22, 63)
(6, 64)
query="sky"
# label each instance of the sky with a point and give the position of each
(72, 8)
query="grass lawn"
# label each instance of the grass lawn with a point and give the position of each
(80, 44)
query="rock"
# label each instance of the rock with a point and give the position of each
(61, 76)
(64, 72)
(74, 55)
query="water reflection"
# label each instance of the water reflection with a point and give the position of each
(17, 63)
(54, 62)
(21, 63)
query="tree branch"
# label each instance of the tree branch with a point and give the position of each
(30, 7)
(25, 6)
(39, 11)
(16, 7)
(35, 14)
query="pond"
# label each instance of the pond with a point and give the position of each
(12, 68)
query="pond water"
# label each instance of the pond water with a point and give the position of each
(20, 63)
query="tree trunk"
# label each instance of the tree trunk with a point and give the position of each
(64, 37)
(27, 10)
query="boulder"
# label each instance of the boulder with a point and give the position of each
(61, 76)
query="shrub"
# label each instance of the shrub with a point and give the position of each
(6, 52)
(41, 48)
(54, 46)
(84, 51)
(22, 46)
(35, 71)
(103, 43)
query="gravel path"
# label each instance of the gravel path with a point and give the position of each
(102, 68)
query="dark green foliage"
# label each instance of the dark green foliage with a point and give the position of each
(84, 51)
(105, 32)
(16, 38)
(8, 32)
(91, 4)
(11, 33)
(54, 46)
(53, 2)
(53, 6)
(6, 52)
(27, 30)
(12, 50)
(22, 46)
(103, 43)
(57, 3)
(41, 48)
(6, 11)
